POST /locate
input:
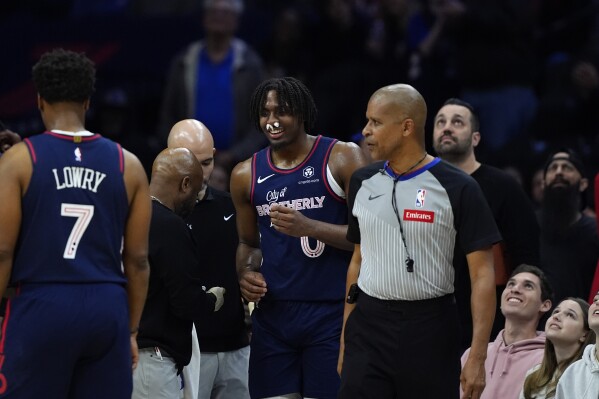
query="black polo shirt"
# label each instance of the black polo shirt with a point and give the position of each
(213, 226)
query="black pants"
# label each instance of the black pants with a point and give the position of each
(401, 349)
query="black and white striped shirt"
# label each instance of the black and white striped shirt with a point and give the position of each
(441, 209)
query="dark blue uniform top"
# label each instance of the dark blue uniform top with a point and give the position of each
(299, 269)
(74, 212)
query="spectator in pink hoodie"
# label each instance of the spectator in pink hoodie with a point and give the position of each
(519, 346)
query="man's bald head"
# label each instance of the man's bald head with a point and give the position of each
(196, 137)
(395, 125)
(406, 102)
(172, 163)
(191, 134)
(176, 179)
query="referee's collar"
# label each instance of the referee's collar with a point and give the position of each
(389, 172)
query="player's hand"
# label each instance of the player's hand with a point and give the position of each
(252, 285)
(219, 293)
(472, 378)
(134, 351)
(8, 138)
(289, 221)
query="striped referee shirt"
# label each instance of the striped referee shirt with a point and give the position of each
(442, 210)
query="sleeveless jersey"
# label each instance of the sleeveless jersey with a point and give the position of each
(299, 269)
(73, 213)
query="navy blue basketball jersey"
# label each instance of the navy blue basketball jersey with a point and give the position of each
(300, 269)
(74, 211)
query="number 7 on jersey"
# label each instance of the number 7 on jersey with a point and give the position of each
(84, 214)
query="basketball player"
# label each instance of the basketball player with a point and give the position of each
(293, 255)
(74, 227)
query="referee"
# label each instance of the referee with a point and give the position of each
(409, 213)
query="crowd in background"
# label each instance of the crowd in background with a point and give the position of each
(529, 67)
(527, 74)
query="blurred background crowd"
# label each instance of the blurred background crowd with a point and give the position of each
(530, 67)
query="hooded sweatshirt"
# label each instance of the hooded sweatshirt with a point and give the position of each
(581, 378)
(506, 366)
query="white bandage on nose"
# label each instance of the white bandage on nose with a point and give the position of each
(270, 127)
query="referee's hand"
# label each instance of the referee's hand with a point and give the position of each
(473, 378)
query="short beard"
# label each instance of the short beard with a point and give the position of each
(456, 153)
(559, 210)
(278, 145)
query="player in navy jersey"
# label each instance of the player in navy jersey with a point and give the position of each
(293, 255)
(74, 228)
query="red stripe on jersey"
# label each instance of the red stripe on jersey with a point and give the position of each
(31, 150)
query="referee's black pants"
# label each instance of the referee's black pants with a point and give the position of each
(401, 349)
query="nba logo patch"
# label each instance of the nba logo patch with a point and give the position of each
(420, 194)
(77, 154)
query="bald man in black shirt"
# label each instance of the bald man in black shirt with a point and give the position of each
(175, 295)
(223, 337)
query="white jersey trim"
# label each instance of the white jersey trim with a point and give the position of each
(334, 185)
(83, 133)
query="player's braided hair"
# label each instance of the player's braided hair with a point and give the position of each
(290, 92)
(64, 76)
